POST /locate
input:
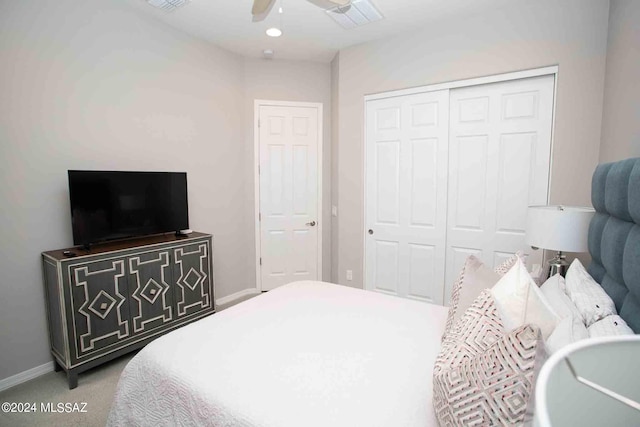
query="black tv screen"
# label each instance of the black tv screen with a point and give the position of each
(107, 205)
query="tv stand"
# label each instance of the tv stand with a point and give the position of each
(122, 295)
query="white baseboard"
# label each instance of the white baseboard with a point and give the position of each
(237, 295)
(25, 376)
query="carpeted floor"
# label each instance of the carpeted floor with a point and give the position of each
(96, 388)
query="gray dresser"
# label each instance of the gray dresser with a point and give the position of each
(119, 296)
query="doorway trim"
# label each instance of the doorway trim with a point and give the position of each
(257, 103)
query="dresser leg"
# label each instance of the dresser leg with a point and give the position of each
(56, 366)
(72, 377)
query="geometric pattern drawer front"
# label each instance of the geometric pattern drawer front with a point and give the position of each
(111, 301)
(193, 290)
(98, 292)
(151, 300)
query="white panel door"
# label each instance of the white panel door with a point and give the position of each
(406, 195)
(499, 155)
(289, 210)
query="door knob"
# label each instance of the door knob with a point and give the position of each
(311, 224)
(370, 231)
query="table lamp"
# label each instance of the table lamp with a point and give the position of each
(560, 229)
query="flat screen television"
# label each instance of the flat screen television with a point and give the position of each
(108, 205)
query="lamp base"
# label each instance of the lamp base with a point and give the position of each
(558, 265)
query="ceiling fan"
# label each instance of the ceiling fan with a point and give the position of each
(261, 8)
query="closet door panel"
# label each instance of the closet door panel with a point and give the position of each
(406, 181)
(500, 137)
(387, 163)
(468, 171)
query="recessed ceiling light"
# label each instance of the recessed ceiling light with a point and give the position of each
(274, 32)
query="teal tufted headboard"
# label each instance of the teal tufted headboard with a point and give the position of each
(614, 235)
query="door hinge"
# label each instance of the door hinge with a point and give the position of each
(259, 216)
(258, 122)
(258, 169)
(260, 261)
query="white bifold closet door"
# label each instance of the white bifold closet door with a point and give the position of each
(450, 174)
(499, 156)
(406, 187)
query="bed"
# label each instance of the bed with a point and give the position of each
(305, 354)
(317, 354)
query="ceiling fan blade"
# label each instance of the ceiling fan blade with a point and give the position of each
(340, 2)
(261, 9)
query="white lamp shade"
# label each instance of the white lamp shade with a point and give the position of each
(559, 228)
(610, 399)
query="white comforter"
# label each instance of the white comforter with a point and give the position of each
(305, 354)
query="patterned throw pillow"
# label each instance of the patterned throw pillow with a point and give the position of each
(473, 278)
(592, 301)
(509, 262)
(478, 328)
(570, 329)
(494, 387)
(609, 326)
(554, 291)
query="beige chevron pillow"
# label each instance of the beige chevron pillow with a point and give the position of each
(495, 387)
(473, 278)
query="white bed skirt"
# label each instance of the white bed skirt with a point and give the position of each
(305, 354)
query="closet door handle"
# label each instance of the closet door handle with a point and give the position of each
(370, 231)
(311, 224)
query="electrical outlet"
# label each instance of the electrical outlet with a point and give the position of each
(349, 275)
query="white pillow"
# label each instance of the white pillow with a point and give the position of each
(553, 290)
(569, 330)
(609, 326)
(519, 301)
(592, 301)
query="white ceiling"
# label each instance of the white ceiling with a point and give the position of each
(309, 34)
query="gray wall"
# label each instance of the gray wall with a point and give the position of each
(86, 87)
(113, 88)
(569, 33)
(276, 80)
(621, 113)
